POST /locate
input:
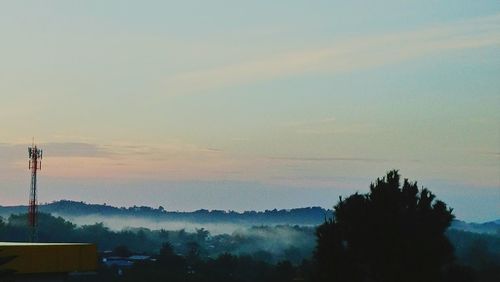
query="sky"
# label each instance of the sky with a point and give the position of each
(246, 105)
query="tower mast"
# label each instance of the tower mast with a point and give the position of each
(35, 164)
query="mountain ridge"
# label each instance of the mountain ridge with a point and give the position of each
(294, 216)
(307, 215)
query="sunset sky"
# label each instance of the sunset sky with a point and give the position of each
(250, 104)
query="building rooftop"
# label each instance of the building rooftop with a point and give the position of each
(32, 258)
(42, 244)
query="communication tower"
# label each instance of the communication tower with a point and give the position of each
(35, 164)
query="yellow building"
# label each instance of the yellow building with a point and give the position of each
(48, 261)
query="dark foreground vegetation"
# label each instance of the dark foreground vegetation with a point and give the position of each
(225, 267)
(270, 244)
(396, 232)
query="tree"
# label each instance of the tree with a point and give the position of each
(193, 252)
(168, 259)
(393, 233)
(284, 272)
(122, 251)
(166, 251)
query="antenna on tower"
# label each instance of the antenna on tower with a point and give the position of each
(35, 164)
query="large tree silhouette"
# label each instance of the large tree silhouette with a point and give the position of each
(393, 233)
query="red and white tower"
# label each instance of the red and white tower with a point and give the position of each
(35, 164)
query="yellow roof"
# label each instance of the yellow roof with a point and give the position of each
(49, 257)
(41, 244)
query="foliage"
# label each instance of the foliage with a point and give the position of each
(308, 215)
(371, 238)
(393, 233)
(225, 267)
(269, 243)
(122, 251)
(478, 252)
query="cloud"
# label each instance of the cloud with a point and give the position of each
(328, 159)
(329, 126)
(75, 149)
(324, 121)
(344, 56)
(80, 160)
(59, 149)
(488, 154)
(11, 151)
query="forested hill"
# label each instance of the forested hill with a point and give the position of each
(300, 216)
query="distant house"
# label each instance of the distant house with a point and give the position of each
(138, 258)
(121, 263)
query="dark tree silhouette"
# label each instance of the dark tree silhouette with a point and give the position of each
(393, 233)
(122, 251)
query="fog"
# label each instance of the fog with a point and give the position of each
(276, 240)
(117, 223)
(269, 242)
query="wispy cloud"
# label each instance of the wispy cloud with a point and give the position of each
(328, 126)
(78, 159)
(11, 151)
(488, 153)
(344, 56)
(328, 159)
(324, 121)
(76, 149)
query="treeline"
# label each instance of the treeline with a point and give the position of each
(477, 260)
(260, 253)
(480, 252)
(301, 216)
(265, 243)
(169, 266)
(395, 232)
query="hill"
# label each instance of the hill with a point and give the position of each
(71, 209)
(309, 216)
